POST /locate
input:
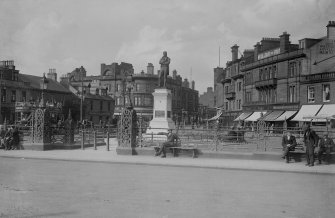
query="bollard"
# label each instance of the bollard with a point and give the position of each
(107, 148)
(95, 140)
(82, 139)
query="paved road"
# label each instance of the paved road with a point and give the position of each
(51, 188)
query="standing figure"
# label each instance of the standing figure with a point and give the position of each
(288, 144)
(311, 141)
(164, 72)
(325, 146)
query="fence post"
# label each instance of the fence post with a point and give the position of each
(107, 148)
(82, 139)
(95, 139)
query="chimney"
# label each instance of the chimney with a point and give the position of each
(174, 74)
(193, 84)
(331, 30)
(234, 52)
(142, 72)
(150, 68)
(257, 51)
(284, 42)
(52, 74)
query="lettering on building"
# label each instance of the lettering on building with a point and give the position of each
(327, 47)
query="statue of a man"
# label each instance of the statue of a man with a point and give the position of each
(164, 72)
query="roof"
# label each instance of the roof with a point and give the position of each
(255, 116)
(99, 97)
(34, 82)
(273, 115)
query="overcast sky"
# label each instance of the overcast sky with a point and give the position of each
(65, 34)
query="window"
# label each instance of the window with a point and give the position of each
(248, 97)
(91, 105)
(274, 71)
(137, 87)
(24, 95)
(3, 95)
(292, 69)
(101, 105)
(109, 106)
(147, 88)
(326, 92)
(292, 94)
(118, 87)
(137, 100)
(226, 89)
(239, 86)
(310, 94)
(227, 106)
(13, 96)
(118, 101)
(261, 74)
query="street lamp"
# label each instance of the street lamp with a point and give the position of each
(128, 84)
(45, 81)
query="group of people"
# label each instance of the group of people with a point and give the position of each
(9, 138)
(313, 145)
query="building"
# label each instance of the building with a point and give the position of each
(279, 81)
(117, 78)
(17, 88)
(207, 98)
(219, 73)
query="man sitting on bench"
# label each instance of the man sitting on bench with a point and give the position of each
(170, 142)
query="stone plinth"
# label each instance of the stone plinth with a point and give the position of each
(162, 113)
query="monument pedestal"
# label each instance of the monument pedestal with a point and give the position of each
(162, 112)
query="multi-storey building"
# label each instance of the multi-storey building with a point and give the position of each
(22, 88)
(281, 79)
(114, 79)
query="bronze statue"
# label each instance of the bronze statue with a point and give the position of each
(164, 72)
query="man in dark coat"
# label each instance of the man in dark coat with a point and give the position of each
(311, 141)
(170, 142)
(289, 142)
(325, 146)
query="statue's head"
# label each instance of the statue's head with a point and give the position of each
(164, 53)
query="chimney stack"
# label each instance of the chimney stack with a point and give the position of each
(257, 51)
(284, 42)
(234, 52)
(150, 68)
(331, 30)
(174, 74)
(52, 74)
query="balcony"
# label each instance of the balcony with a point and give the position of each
(237, 76)
(270, 83)
(316, 78)
(226, 80)
(230, 95)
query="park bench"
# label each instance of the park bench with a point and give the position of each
(175, 150)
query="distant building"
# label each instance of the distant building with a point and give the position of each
(207, 98)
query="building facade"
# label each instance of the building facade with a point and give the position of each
(116, 79)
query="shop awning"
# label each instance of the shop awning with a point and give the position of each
(264, 115)
(215, 117)
(273, 115)
(286, 115)
(243, 116)
(307, 111)
(255, 116)
(327, 111)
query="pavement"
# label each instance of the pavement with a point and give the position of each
(101, 155)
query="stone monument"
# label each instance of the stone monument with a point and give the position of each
(162, 111)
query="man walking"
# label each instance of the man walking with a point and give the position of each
(311, 141)
(325, 146)
(288, 144)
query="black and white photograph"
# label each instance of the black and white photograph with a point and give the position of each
(167, 108)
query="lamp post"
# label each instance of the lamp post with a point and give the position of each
(45, 81)
(81, 96)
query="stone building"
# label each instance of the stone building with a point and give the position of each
(114, 77)
(17, 88)
(282, 81)
(207, 98)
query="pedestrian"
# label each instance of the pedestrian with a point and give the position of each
(170, 142)
(2, 137)
(16, 138)
(288, 142)
(325, 146)
(311, 141)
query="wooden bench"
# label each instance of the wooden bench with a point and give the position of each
(185, 148)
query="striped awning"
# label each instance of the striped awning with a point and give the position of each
(286, 115)
(255, 116)
(273, 115)
(307, 111)
(326, 112)
(215, 117)
(243, 116)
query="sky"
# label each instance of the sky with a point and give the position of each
(66, 34)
